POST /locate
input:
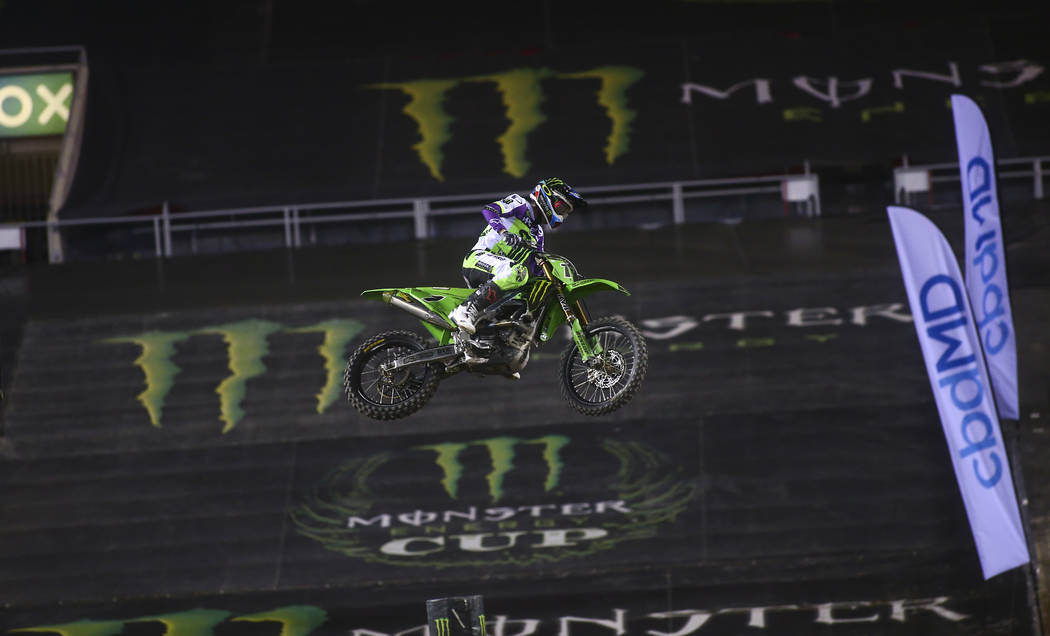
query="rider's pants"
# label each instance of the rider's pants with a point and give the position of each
(480, 266)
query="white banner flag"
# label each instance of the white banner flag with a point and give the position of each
(955, 365)
(985, 264)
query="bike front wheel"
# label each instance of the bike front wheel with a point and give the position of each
(611, 380)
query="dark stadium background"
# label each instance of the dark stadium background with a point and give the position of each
(810, 458)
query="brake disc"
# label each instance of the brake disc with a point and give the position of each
(608, 372)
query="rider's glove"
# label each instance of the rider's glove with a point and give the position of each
(513, 240)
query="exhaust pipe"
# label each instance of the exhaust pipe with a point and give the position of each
(420, 312)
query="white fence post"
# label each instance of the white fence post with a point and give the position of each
(678, 204)
(166, 212)
(1037, 168)
(157, 250)
(296, 239)
(287, 216)
(420, 209)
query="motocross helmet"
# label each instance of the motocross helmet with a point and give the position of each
(555, 200)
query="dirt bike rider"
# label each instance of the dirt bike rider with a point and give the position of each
(502, 259)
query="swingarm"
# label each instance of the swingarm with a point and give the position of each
(421, 357)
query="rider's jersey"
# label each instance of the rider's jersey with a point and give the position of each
(513, 214)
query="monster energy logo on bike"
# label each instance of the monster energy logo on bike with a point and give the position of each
(498, 501)
(538, 293)
(522, 93)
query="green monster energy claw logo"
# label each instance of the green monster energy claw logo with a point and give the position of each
(501, 450)
(247, 344)
(294, 620)
(522, 95)
(538, 293)
(545, 521)
(441, 626)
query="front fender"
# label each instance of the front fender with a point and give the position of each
(575, 291)
(587, 286)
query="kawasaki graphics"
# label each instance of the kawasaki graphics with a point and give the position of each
(395, 373)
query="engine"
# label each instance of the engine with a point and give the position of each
(506, 344)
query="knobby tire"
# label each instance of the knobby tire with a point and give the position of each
(388, 397)
(586, 390)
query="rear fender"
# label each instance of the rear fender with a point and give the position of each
(430, 304)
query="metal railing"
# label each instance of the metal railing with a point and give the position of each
(801, 190)
(909, 180)
(421, 213)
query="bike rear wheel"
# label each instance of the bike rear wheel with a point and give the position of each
(613, 379)
(388, 395)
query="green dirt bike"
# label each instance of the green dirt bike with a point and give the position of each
(393, 374)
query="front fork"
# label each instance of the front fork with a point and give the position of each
(576, 319)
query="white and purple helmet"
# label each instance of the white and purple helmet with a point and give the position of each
(555, 200)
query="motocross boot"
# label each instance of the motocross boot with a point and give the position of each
(465, 316)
